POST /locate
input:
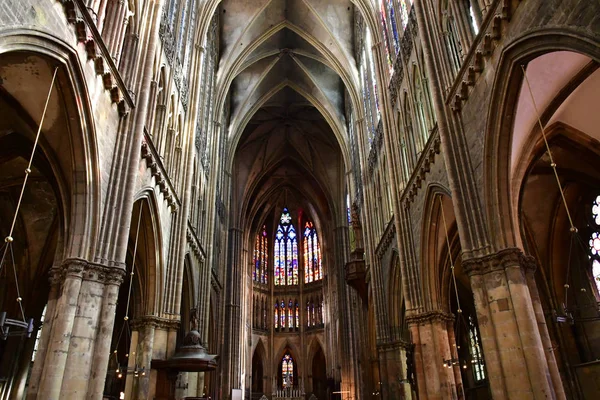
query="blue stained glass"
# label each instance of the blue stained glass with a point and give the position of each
(394, 28)
(286, 251)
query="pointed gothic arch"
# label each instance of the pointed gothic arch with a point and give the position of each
(498, 183)
(259, 368)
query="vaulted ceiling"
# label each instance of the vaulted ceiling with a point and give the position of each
(285, 67)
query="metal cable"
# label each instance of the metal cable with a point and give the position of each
(459, 310)
(9, 239)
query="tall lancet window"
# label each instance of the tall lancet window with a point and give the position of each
(282, 315)
(287, 371)
(595, 242)
(286, 251)
(260, 257)
(290, 314)
(312, 254)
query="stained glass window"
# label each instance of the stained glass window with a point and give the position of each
(392, 14)
(383, 13)
(259, 274)
(276, 314)
(287, 370)
(473, 20)
(282, 314)
(404, 13)
(476, 354)
(310, 313)
(290, 314)
(372, 68)
(297, 315)
(286, 252)
(312, 254)
(595, 242)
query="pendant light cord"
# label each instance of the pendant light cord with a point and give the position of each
(572, 227)
(9, 239)
(552, 163)
(459, 310)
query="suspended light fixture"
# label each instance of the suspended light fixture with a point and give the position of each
(24, 326)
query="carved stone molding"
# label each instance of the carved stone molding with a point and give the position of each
(482, 48)
(386, 239)
(498, 261)
(162, 180)
(422, 169)
(395, 345)
(87, 271)
(156, 322)
(73, 267)
(429, 316)
(194, 243)
(104, 66)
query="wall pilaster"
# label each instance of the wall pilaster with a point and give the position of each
(514, 353)
(433, 336)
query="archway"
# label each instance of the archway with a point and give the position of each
(258, 372)
(57, 212)
(319, 374)
(458, 361)
(563, 288)
(129, 365)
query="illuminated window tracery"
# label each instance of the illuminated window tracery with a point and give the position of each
(312, 254)
(287, 370)
(259, 274)
(594, 243)
(286, 251)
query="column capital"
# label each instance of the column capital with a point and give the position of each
(155, 322)
(87, 271)
(429, 316)
(499, 261)
(395, 345)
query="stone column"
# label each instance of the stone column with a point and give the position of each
(515, 361)
(432, 347)
(62, 322)
(391, 356)
(55, 278)
(233, 318)
(89, 305)
(112, 281)
(141, 355)
(530, 267)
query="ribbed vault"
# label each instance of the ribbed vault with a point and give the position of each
(286, 70)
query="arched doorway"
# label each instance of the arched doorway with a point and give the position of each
(258, 372)
(319, 374)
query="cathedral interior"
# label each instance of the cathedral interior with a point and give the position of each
(299, 199)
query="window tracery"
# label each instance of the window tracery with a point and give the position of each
(594, 243)
(476, 353)
(286, 251)
(287, 370)
(312, 254)
(259, 274)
